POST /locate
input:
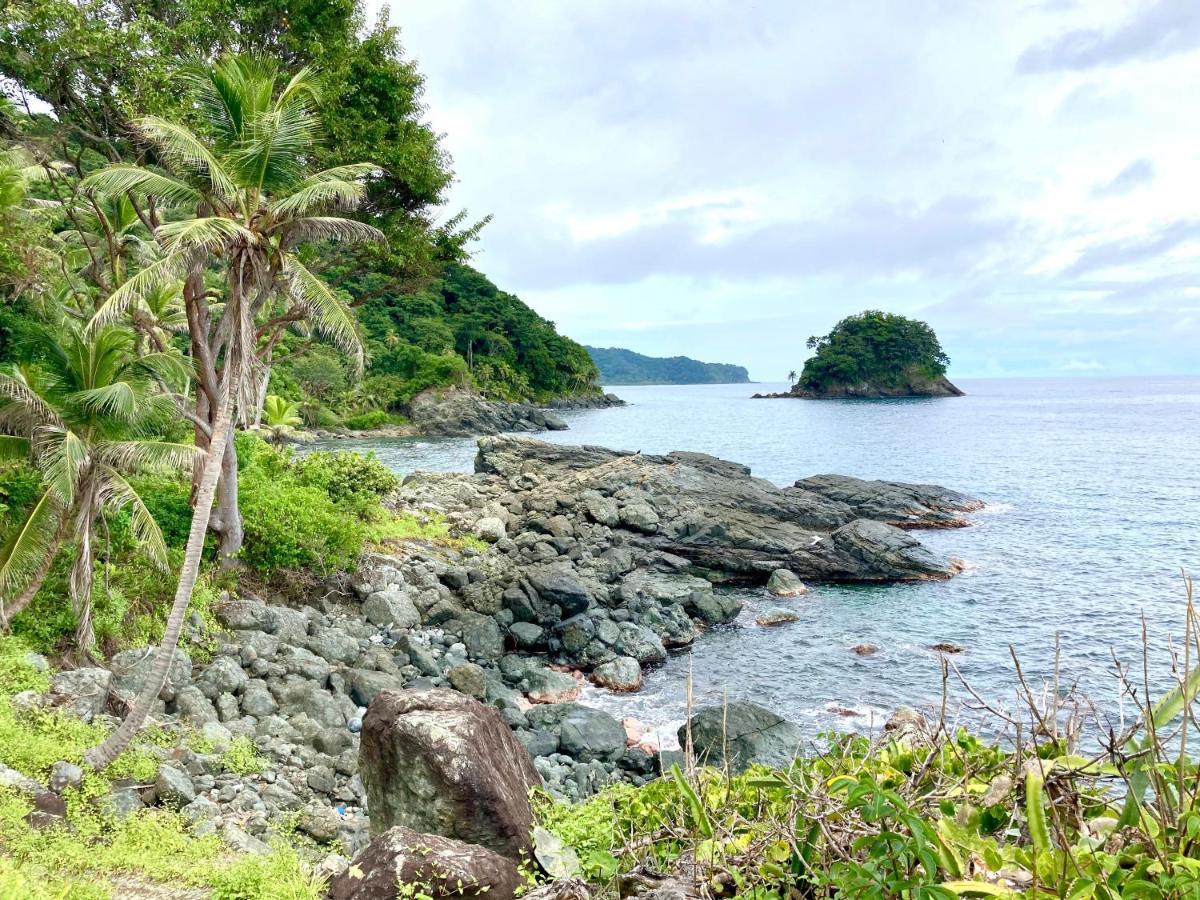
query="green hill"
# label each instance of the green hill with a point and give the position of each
(620, 366)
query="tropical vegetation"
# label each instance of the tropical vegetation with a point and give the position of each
(620, 366)
(874, 348)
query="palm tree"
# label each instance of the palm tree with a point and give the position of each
(280, 417)
(83, 415)
(792, 377)
(238, 193)
(241, 195)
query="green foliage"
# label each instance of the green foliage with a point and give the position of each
(874, 347)
(620, 366)
(314, 512)
(376, 418)
(277, 876)
(242, 759)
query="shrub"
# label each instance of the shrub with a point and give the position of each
(352, 480)
(374, 418)
(290, 525)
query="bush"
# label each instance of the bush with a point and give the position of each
(353, 481)
(290, 525)
(375, 418)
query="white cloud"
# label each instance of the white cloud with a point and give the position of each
(724, 179)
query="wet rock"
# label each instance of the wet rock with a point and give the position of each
(591, 734)
(439, 762)
(543, 685)
(785, 583)
(896, 503)
(742, 733)
(864, 649)
(947, 647)
(906, 721)
(712, 608)
(562, 587)
(621, 674)
(776, 616)
(443, 867)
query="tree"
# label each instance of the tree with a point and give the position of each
(83, 416)
(243, 197)
(791, 377)
(237, 191)
(874, 347)
(280, 417)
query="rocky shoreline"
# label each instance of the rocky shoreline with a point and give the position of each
(912, 387)
(455, 412)
(584, 562)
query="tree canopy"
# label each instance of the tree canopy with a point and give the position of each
(874, 348)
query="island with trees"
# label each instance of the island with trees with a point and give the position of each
(874, 354)
(619, 366)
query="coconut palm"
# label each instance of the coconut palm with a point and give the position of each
(792, 377)
(84, 416)
(280, 417)
(236, 192)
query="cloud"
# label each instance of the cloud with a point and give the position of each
(867, 239)
(1081, 365)
(1138, 173)
(1156, 30)
(1140, 248)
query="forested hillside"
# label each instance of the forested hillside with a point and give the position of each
(424, 318)
(619, 366)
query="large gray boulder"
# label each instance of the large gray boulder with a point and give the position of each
(442, 868)
(442, 763)
(81, 693)
(893, 502)
(591, 734)
(742, 733)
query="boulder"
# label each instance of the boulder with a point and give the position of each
(174, 787)
(786, 583)
(468, 679)
(621, 674)
(562, 587)
(440, 867)
(392, 608)
(440, 762)
(776, 616)
(591, 734)
(130, 669)
(742, 733)
(81, 693)
(490, 529)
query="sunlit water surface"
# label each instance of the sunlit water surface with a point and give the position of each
(1093, 511)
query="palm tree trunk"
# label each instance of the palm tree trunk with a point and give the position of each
(79, 584)
(100, 757)
(229, 514)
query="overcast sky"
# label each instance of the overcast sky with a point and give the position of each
(723, 179)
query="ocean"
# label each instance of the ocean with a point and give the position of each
(1093, 513)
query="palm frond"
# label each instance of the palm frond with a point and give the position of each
(118, 400)
(206, 233)
(117, 493)
(332, 228)
(164, 271)
(30, 543)
(157, 456)
(26, 405)
(333, 193)
(140, 182)
(331, 317)
(181, 147)
(61, 455)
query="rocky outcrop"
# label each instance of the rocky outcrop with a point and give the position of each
(895, 503)
(453, 411)
(438, 867)
(740, 734)
(868, 390)
(439, 762)
(716, 515)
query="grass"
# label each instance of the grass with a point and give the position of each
(76, 861)
(431, 528)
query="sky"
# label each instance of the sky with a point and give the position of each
(723, 179)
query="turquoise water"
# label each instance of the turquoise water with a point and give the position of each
(1093, 492)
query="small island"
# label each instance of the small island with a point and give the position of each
(871, 355)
